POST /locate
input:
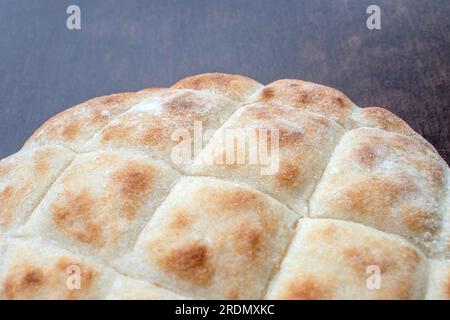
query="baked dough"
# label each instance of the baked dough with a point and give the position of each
(100, 189)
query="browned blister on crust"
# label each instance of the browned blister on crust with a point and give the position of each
(213, 239)
(235, 87)
(309, 96)
(385, 180)
(331, 259)
(102, 201)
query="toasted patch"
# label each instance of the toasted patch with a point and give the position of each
(75, 216)
(307, 289)
(135, 181)
(189, 262)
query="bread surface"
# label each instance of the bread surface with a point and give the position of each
(102, 203)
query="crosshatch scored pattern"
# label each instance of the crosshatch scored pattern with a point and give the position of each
(95, 190)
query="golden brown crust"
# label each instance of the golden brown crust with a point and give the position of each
(310, 288)
(190, 262)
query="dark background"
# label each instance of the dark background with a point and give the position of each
(128, 45)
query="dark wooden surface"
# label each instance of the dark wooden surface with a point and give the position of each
(128, 45)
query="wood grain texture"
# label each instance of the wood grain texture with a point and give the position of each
(128, 45)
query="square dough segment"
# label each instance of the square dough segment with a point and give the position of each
(298, 153)
(169, 124)
(102, 202)
(25, 177)
(37, 270)
(387, 181)
(331, 259)
(213, 239)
